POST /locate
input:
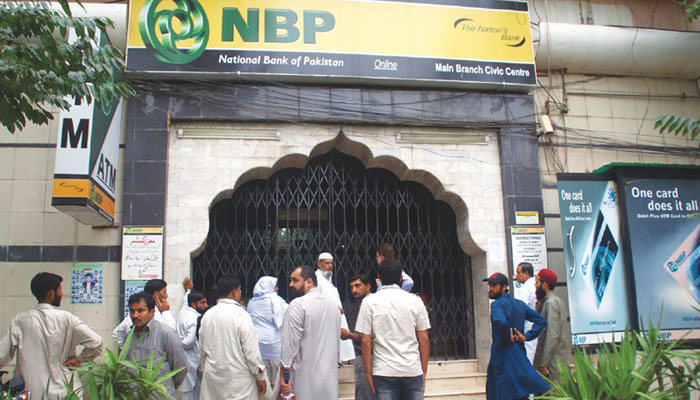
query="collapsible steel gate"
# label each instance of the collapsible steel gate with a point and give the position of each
(334, 204)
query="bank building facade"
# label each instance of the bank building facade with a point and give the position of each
(264, 133)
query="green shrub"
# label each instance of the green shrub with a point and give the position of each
(115, 377)
(641, 366)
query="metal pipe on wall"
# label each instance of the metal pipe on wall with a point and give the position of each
(611, 50)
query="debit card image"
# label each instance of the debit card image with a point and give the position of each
(599, 258)
(605, 254)
(684, 264)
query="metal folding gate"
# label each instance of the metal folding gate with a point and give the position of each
(335, 204)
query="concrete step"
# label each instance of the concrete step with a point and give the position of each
(450, 381)
(347, 372)
(435, 382)
(456, 394)
(453, 380)
(453, 366)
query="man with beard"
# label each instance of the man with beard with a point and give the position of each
(187, 331)
(324, 277)
(45, 339)
(154, 338)
(360, 288)
(553, 346)
(310, 333)
(510, 374)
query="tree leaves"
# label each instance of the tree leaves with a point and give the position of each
(692, 10)
(38, 68)
(678, 125)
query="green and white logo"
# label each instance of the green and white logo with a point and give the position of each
(176, 36)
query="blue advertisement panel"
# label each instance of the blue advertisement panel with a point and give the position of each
(664, 225)
(596, 279)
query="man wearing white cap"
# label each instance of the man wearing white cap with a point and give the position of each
(324, 273)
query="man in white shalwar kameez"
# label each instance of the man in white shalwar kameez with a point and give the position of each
(187, 331)
(45, 340)
(310, 335)
(229, 354)
(525, 291)
(324, 273)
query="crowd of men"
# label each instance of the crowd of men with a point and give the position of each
(220, 349)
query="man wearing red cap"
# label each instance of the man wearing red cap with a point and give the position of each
(510, 374)
(553, 345)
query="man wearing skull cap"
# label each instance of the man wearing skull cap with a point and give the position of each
(553, 345)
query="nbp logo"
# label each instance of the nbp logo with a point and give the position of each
(171, 43)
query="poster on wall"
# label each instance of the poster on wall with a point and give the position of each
(664, 222)
(529, 245)
(142, 252)
(596, 277)
(131, 287)
(86, 283)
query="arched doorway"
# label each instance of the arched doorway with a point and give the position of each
(335, 204)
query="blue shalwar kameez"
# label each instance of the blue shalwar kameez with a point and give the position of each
(510, 374)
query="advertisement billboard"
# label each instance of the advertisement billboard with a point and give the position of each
(468, 43)
(596, 278)
(664, 230)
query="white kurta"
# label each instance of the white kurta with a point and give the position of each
(526, 292)
(346, 351)
(310, 346)
(43, 339)
(267, 310)
(187, 331)
(229, 353)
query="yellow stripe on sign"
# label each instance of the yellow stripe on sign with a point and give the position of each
(83, 189)
(134, 230)
(362, 27)
(71, 188)
(527, 230)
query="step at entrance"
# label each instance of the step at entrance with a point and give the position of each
(449, 380)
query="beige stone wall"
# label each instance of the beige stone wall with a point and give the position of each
(612, 111)
(606, 116)
(28, 219)
(467, 177)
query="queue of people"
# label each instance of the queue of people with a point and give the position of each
(270, 348)
(224, 350)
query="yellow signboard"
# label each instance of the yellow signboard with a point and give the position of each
(462, 41)
(74, 194)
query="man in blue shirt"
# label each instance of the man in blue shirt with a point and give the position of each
(386, 251)
(510, 374)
